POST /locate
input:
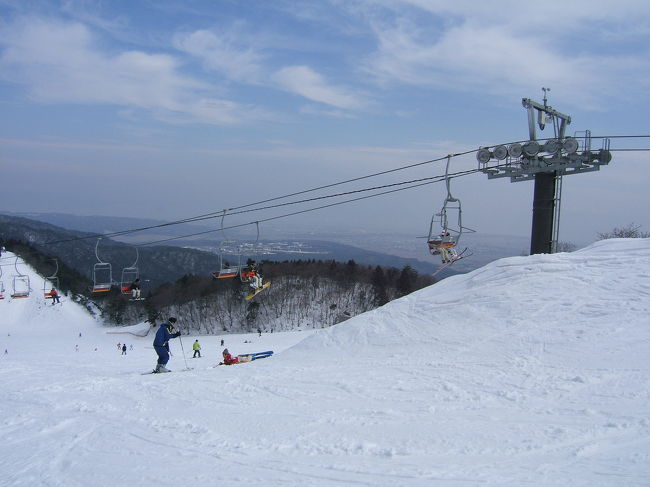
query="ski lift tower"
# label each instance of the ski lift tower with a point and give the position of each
(545, 161)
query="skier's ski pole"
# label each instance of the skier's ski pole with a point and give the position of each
(183, 350)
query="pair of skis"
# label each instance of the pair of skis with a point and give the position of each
(460, 256)
(241, 359)
(156, 372)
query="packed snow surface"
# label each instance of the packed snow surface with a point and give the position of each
(528, 371)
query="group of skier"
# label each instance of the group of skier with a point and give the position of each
(166, 332)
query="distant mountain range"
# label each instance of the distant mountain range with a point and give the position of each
(74, 240)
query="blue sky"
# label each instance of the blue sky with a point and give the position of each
(170, 109)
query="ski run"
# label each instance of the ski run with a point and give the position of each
(528, 371)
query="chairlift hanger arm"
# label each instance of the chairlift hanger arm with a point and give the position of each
(100, 261)
(137, 257)
(56, 270)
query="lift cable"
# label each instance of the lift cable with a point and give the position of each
(218, 214)
(231, 212)
(428, 181)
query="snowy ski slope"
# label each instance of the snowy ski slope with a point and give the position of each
(528, 371)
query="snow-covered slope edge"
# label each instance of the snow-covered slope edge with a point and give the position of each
(556, 298)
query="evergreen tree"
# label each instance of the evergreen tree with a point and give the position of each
(406, 283)
(379, 282)
(350, 272)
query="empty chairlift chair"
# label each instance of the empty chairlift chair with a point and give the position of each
(102, 274)
(21, 284)
(226, 269)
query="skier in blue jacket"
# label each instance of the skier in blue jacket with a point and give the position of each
(161, 343)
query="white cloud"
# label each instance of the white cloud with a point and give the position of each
(60, 62)
(474, 55)
(304, 81)
(221, 55)
(224, 53)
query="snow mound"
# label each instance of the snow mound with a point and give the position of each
(534, 292)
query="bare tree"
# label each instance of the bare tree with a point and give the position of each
(630, 231)
(565, 247)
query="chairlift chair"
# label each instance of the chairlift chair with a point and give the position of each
(21, 284)
(2, 286)
(226, 269)
(130, 274)
(444, 232)
(248, 266)
(51, 281)
(102, 274)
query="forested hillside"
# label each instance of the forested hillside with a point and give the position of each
(304, 293)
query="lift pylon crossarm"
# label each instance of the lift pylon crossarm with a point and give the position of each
(570, 156)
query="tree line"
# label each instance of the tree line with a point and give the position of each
(303, 293)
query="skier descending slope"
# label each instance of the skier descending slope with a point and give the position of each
(161, 344)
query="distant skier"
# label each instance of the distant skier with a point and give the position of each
(161, 343)
(222, 342)
(55, 296)
(124, 349)
(197, 349)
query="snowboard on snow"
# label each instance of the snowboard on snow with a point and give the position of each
(250, 296)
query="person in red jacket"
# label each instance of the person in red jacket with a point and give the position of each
(228, 359)
(55, 296)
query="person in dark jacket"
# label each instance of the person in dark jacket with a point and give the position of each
(161, 343)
